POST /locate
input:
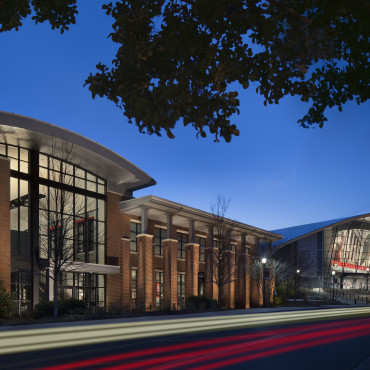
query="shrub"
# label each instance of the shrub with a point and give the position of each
(72, 306)
(43, 309)
(6, 303)
(200, 303)
(69, 306)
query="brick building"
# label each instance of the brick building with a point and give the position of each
(125, 252)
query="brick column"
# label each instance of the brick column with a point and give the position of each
(191, 269)
(144, 271)
(170, 274)
(125, 273)
(5, 222)
(228, 289)
(244, 282)
(210, 288)
(256, 293)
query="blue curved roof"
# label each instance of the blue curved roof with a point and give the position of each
(297, 232)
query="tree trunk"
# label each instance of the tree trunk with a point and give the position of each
(219, 296)
(55, 282)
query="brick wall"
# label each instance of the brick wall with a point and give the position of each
(117, 226)
(5, 222)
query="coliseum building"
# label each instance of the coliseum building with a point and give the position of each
(125, 252)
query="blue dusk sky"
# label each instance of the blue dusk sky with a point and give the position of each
(276, 173)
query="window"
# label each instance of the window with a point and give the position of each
(202, 247)
(233, 249)
(159, 235)
(182, 239)
(158, 288)
(135, 229)
(85, 235)
(216, 244)
(19, 222)
(200, 284)
(181, 290)
(55, 242)
(21, 290)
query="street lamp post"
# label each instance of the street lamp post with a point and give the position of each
(367, 279)
(333, 273)
(296, 284)
(263, 260)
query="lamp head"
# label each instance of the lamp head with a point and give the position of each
(263, 260)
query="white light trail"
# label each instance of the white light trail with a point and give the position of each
(15, 341)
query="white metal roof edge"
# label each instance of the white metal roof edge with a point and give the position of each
(176, 208)
(37, 126)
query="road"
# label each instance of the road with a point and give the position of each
(323, 339)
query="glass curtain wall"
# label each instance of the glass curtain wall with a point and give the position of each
(71, 201)
(347, 252)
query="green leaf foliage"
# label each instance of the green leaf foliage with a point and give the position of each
(183, 60)
(59, 13)
(180, 60)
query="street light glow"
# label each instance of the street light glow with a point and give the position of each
(264, 260)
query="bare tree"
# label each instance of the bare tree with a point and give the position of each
(57, 209)
(221, 258)
(276, 272)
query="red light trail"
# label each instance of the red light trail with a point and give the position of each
(228, 350)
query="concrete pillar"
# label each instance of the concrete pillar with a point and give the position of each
(125, 274)
(51, 285)
(269, 245)
(144, 271)
(144, 220)
(228, 288)
(191, 269)
(169, 226)
(5, 245)
(170, 274)
(191, 237)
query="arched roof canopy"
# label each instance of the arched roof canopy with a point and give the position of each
(295, 233)
(122, 176)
